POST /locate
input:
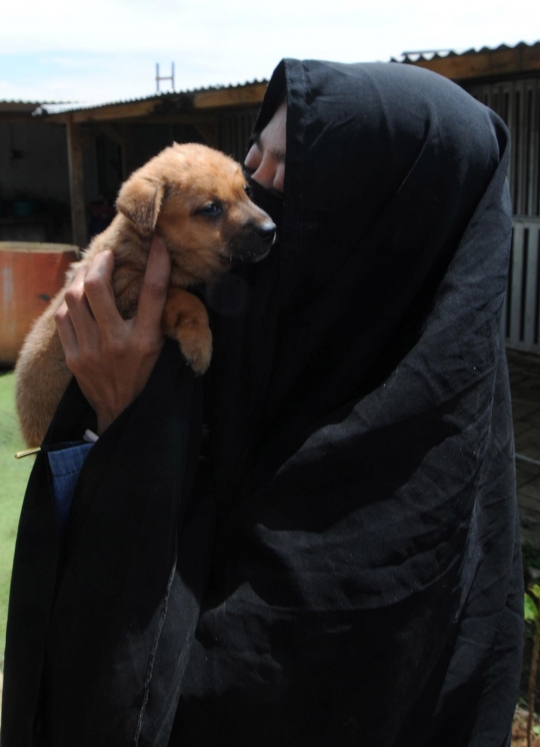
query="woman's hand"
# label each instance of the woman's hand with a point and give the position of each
(110, 357)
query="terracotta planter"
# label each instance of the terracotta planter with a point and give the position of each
(30, 275)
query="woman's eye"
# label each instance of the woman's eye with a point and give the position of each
(211, 209)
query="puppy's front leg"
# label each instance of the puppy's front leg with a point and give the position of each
(186, 319)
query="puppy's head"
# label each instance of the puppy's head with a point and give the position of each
(197, 199)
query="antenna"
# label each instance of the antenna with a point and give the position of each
(164, 77)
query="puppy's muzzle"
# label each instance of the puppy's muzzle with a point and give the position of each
(267, 232)
(267, 235)
(255, 245)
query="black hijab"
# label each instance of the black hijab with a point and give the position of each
(345, 568)
(364, 588)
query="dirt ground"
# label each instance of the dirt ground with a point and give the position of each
(519, 731)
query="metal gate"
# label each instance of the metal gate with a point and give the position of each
(518, 104)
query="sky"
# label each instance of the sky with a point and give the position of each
(106, 50)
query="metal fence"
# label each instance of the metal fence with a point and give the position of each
(522, 306)
(518, 103)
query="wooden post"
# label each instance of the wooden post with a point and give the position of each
(76, 183)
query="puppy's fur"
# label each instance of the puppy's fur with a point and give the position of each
(193, 196)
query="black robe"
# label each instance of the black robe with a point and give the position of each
(342, 567)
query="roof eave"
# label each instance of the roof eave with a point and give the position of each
(487, 63)
(249, 94)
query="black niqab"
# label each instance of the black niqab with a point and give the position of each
(353, 575)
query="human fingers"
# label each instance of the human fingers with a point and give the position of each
(153, 295)
(66, 332)
(79, 309)
(99, 292)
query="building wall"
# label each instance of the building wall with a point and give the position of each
(33, 162)
(34, 179)
(235, 130)
(91, 178)
(149, 139)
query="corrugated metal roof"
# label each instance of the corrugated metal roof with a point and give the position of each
(163, 96)
(439, 54)
(16, 108)
(32, 103)
(10, 106)
(409, 57)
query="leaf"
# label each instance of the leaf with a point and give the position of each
(530, 609)
(536, 729)
(535, 591)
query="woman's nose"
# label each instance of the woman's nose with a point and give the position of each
(263, 169)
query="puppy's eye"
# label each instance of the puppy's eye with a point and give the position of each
(247, 190)
(211, 209)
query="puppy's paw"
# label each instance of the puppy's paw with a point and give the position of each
(196, 347)
(185, 318)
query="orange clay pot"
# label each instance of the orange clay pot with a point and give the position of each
(30, 275)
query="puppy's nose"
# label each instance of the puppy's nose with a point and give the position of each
(266, 231)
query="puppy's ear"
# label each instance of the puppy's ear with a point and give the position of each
(140, 200)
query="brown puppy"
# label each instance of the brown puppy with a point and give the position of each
(193, 196)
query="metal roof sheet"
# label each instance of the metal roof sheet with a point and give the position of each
(438, 54)
(31, 103)
(18, 107)
(60, 108)
(409, 57)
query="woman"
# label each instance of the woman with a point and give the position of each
(343, 567)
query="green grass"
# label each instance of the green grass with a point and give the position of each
(13, 478)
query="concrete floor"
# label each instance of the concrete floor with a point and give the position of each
(525, 384)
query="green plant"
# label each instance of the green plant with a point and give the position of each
(532, 614)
